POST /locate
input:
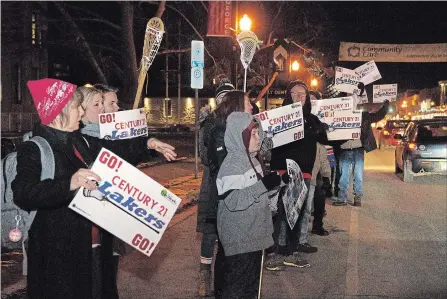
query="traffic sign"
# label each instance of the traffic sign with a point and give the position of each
(197, 77)
(197, 54)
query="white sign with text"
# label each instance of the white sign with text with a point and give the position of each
(127, 203)
(384, 92)
(321, 107)
(123, 125)
(368, 72)
(285, 123)
(346, 80)
(344, 124)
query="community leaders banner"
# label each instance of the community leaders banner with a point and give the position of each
(368, 72)
(294, 193)
(346, 80)
(343, 125)
(384, 92)
(127, 203)
(123, 125)
(393, 52)
(285, 123)
(322, 108)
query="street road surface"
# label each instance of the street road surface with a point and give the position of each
(394, 246)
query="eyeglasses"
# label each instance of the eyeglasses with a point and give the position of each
(298, 94)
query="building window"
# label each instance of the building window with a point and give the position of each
(168, 107)
(35, 29)
(16, 85)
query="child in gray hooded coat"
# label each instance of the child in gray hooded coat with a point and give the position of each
(244, 219)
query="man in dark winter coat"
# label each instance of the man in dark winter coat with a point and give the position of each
(207, 192)
(303, 152)
(352, 153)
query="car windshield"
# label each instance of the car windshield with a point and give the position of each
(432, 131)
(397, 124)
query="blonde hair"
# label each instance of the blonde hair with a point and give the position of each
(88, 93)
(63, 118)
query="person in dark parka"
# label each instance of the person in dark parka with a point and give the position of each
(60, 240)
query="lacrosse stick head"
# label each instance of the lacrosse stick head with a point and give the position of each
(152, 40)
(248, 41)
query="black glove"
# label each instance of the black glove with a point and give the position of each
(327, 187)
(285, 178)
(271, 180)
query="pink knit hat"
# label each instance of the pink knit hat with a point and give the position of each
(50, 97)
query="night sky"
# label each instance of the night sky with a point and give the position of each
(394, 23)
(368, 22)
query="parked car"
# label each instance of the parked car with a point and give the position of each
(391, 128)
(422, 149)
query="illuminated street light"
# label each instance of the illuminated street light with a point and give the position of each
(314, 82)
(88, 85)
(245, 23)
(433, 103)
(295, 66)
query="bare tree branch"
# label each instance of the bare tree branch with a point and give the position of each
(173, 51)
(82, 42)
(190, 24)
(94, 15)
(102, 21)
(204, 6)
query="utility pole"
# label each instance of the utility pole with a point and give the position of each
(166, 104)
(179, 84)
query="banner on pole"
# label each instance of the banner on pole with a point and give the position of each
(393, 52)
(127, 203)
(285, 123)
(321, 108)
(343, 124)
(384, 92)
(346, 80)
(123, 125)
(219, 18)
(294, 193)
(368, 72)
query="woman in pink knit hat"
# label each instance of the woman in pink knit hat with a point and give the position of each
(59, 246)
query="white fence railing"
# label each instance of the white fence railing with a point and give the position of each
(18, 121)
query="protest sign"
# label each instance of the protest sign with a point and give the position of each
(343, 125)
(384, 92)
(294, 193)
(359, 99)
(285, 123)
(346, 80)
(321, 107)
(123, 125)
(127, 203)
(393, 52)
(368, 72)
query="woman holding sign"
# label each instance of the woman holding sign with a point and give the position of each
(134, 151)
(60, 241)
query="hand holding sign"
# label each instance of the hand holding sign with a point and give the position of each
(83, 178)
(168, 151)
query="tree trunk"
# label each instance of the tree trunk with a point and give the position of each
(129, 57)
(84, 46)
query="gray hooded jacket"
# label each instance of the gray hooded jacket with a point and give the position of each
(244, 219)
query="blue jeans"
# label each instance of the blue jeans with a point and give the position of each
(356, 158)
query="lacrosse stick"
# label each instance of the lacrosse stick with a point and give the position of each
(248, 41)
(152, 39)
(260, 275)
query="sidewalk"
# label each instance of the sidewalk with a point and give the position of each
(13, 283)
